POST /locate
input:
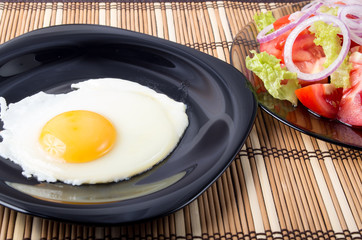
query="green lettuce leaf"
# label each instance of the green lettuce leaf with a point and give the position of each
(329, 10)
(340, 77)
(327, 38)
(263, 20)
(267, 67)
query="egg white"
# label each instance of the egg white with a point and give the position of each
(149, 125)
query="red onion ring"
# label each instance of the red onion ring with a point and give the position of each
(356, 38)
(309, 5)
(262, 37)
(294, 34)
(356, 11)
(354, 25)
(337, 3)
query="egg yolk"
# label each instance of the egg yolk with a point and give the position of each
(78, 136)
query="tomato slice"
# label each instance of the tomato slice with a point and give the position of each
(357, 48)
(350, 109)
(307, 56)
(281, 22)
(275, 47)
(321, 98)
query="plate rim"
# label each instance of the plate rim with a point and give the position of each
(190, 52)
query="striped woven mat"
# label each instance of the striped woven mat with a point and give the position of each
(282, 185)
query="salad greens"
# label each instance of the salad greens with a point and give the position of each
(263, 20)
(341, 76)
(327, 37)
(267, 67)
(329, 10)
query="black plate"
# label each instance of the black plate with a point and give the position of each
(298, 117)
(221, 112)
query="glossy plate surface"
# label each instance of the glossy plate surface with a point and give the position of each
(221, 111)
(297, 117)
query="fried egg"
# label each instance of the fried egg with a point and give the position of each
(105, 130)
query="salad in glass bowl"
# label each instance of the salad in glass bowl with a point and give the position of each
(307, 61)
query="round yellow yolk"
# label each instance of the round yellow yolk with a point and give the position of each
(78, 136)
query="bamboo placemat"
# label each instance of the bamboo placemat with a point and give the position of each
(282, 185)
